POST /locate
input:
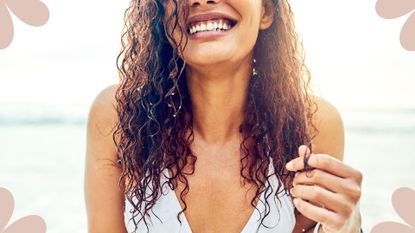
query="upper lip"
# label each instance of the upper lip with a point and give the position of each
(208, 16)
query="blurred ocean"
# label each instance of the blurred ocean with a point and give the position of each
(42, 161)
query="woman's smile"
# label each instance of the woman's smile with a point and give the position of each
(210, 26)
(210, 30)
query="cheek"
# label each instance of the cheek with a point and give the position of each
(247, 33)
(250, 15)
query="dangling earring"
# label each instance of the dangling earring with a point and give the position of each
(254, 71)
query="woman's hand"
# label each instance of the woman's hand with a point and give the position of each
(328, 193)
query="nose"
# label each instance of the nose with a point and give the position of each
(194, 3)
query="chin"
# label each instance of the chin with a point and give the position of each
(206, 59)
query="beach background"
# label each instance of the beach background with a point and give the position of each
(50, 75)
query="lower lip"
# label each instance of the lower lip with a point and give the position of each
(210, 35)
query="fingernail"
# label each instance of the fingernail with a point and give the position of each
(289, 165)
(303, 150)
(295, 200)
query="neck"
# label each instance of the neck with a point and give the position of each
(218, 97)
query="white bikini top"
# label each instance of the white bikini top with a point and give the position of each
(167, 207)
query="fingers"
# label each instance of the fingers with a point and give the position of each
(318, 214)
(329, 218)
(322, 197)
(325, 189)
(322, 178)
(324, 162)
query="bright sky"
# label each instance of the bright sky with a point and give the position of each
(354, 55)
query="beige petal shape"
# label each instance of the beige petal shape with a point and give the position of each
(7, 206)
(31, 223)
(403, 199)
(390, 9)
(408, 39)
(391, 227)
(6, 27)
(32, 12)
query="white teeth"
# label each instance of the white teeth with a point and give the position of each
(209, 26)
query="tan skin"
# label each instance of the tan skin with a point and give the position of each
(101, 175)
(217, 107)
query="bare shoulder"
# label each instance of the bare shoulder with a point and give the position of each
(102, 111)
(102, 120)
(329, 123)
(104, 197)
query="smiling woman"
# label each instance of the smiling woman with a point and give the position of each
(212, 105)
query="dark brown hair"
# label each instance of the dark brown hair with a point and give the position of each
(155, 115)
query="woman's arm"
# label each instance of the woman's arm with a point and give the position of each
(330, 142)
(103, 197)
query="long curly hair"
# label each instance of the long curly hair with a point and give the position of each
(155, 115)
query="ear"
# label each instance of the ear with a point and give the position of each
(267, 15)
